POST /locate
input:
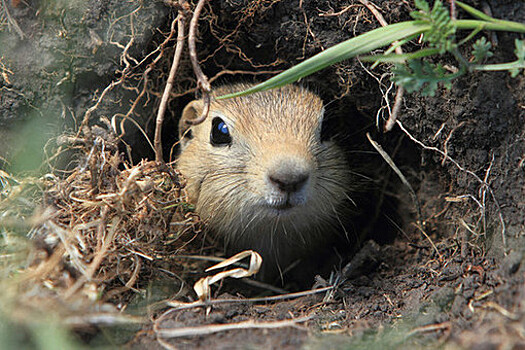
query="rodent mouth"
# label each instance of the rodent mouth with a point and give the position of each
(283, 206)
(280, 206)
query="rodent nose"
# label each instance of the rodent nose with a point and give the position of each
(289, 180)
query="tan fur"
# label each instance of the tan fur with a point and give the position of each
(229, 185)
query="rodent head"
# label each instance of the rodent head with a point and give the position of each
(258, 171)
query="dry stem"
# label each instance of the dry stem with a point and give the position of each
(215, 328)
(169, 86)
(12, 22)
(403, 179)
(202, 80)
(177, 306)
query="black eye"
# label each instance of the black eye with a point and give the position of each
(220, 135)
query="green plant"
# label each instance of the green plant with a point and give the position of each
(411, 70)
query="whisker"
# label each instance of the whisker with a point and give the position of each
(340, 223)
(248, 225)
(300, 234)
(284, 229)
(350, 199)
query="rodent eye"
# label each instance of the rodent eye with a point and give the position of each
(220, 135)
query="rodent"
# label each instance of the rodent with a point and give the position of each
(260, 175)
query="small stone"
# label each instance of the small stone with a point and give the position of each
(511, 264)
(364, 262)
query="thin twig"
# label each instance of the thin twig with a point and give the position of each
(453, 11)
(202, 79)
(430, 328)
(181, 306)
(253, 283)
(431, 242)
(169, 85)
(262, 285)
(447, 140)
(43, 270)
(403, 179)
(501, 310)
(85, 120)
(105, 240)
(375, 12)
(215, 328)
(128, 116)
(103, 318)
(12, 22)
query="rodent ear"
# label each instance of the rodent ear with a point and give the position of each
(191, 111)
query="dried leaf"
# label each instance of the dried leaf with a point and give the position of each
(202, 286)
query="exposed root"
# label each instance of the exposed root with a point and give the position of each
(484, 189)
(389, 124)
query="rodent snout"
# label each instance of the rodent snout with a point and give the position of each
(288, 176)
(289, 181)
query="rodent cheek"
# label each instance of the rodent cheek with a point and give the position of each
(333, 179)
(255, 185)
(195, 162)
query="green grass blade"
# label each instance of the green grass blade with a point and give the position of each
(500, 66)
(501, 24)
(356, 46)
(399, 58)
(509, 26)
(475, 12)
(365, 43)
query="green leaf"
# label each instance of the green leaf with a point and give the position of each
(520, 49)
(422, 76)
(424, 11)
(422, 5)
(520, 54)
(510, 25)
(399, 58)
(442, 31)
(514, 67)
(481, 50)
(441, 34)
(475, 12)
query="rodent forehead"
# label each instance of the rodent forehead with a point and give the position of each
(285, 112)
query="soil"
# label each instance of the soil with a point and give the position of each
(453, 279)
(412, 299)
